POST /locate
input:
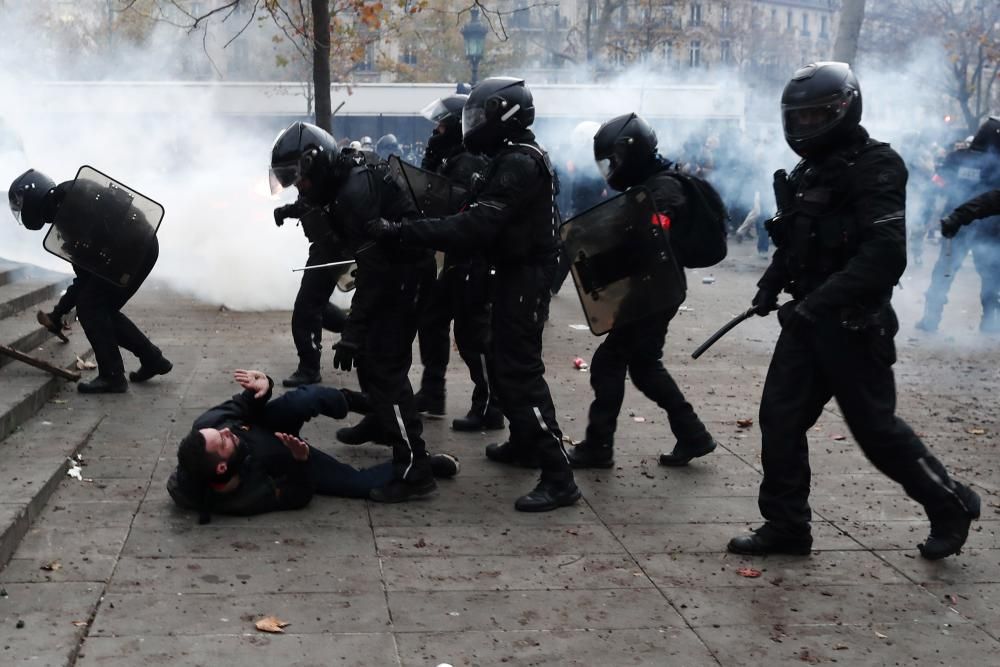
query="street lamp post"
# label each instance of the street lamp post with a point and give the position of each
(474, 35)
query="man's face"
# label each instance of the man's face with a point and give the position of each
(221, 443)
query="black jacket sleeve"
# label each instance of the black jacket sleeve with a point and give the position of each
(513, 178)
(259, 493)
(241, 407)
(878, 202)
(983, 206)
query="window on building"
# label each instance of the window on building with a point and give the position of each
(774, 18)
(805, 24)
(695, 18)
(408, 55)
(725, 52)
(521, 17)
(694, 54)
(788, 20)
(367, 64)
(667, 53)
(824, 26)
(618, 54)
(725, 20)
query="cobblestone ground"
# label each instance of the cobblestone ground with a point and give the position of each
(636, 574)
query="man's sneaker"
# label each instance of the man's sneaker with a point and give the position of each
(53, 324)
(948, 535)
(160, 366)
(682, 453)
(522, 457)
(585, 455)
(444, 466)
(302, 376)
(104, 385)
(399, 490)
(550, 494)
(768, 540)
(366, 430)
(432, 406)
(477, 421)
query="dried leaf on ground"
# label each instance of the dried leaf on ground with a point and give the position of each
(82, 365)
(976, 431)
(744, 423)
(51, 566)
(749, 572)
(271, 624)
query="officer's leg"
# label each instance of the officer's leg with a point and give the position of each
(607, 378)
(435, 343)
(288, 412)
(314, 293)
(97, 303)
(472, 334)
(950, 257)
(986, 254)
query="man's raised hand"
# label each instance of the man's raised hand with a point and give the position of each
(298, 447)
(255, 381)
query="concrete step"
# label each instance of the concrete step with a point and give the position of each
(23, 295)
(23, 333)
(10, 272)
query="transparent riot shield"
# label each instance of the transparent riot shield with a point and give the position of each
(621, 261)
(104, 227)
(433, 194)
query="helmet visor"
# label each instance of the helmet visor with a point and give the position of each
(604, 166)
(16, 200)
(435, 112)
(472, 118)
(282, 176)
(806, 121)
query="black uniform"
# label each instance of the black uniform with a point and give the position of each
(459, 294)
(841, 247)
(637, 348)
(511, 221)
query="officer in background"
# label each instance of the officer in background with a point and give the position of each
(389, 286)
(511, 220)
(841, 247)
(460, 292)
(35, 200)
(625, 151)
(387, 145)
(312, 302)
(966, 173)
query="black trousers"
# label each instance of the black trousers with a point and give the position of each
(384, 364)
(460, 293)
(520, 309)
(312, 301)
(813, 363)
(637, 349)
(98, 307)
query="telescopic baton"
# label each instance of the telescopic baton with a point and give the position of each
(726, 328)
(323, 266)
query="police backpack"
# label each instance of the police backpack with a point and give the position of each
(702, 241)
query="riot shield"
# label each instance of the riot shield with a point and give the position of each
(104, 227)
(622, 265)
(434, 195)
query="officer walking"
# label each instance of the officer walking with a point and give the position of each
(511, 220)
(390, 284)
(841, 247)
(625, 151)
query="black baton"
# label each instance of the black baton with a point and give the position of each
(726, 328)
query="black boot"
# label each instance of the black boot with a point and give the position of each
(551, 493)
(522, 457)
(103, 384)
(444, 466)
(769, 540)
(302, 376)
(432, 406)
(683, 453)
(587, 455)
(149, 368)
(366, 430)
(401, 490)
(53, 324)
(948, 533)
(476, 420)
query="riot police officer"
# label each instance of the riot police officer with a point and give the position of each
(625, 151)
(965, 174)
(389, 286)
(511, 220)
(841, 247)
(460, 292)
(312, 302)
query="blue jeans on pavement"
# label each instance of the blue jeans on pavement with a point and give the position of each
(290, 411)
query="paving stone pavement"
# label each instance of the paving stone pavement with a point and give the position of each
(637, 574)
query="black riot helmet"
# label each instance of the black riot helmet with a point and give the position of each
(820, 107)
(624, 147)
(987, 139)
(446, 110)
(387, 145)
(497, 108)
(302, 150)
(26, 197)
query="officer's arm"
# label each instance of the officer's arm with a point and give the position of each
(514, 179)
(775, 277)
(983, 206)
(244, 406)
(879, 206)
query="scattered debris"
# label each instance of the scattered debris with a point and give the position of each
(840, 438)
(685, 309)
(51, 566)
(579, 364)
(976, 431)
(454, 613)
(579, 327)
(953, 599)
(82, 365)
(271, 624)
(639, 419)
(80, 624)
(19, 625)
(744, 423)
(420, 544)
(880, 635)
(708, 280)
(749, 572)
(841, 647)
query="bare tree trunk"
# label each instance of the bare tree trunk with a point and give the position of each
(852, 14)
(321, 63)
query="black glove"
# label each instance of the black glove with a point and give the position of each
(950, 227)
(287, 211)
(383, 230)
(765, 301)
(344, 355)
